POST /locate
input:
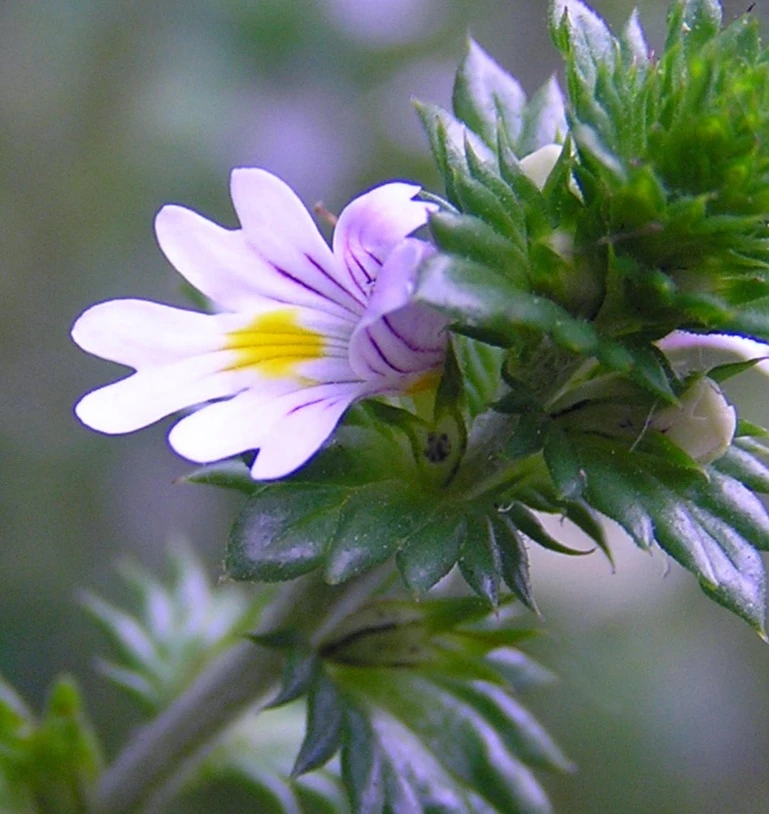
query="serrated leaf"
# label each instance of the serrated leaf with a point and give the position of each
(283, 532)
(480, 560)
(178, 626)
(430, 555)
(484, 93)
(710, 527)
(523, 734)
(745, 467)
(358, 544)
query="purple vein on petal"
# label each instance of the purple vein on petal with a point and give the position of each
(332, 279)
(350, 258)
(408, 343)
(382, 355)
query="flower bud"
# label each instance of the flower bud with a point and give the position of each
(539, 164)
(703, 424)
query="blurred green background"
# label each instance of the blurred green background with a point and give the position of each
(111, 108)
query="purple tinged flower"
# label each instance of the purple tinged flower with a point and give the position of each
(301, 330)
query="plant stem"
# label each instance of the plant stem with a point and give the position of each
(243, 676)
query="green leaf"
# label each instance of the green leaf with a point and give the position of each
(484, 93)
(431, 554)
(480, 561)
(712, 527)
(527, 523)
(283, 531)
(480, 366)
(585, 37)
(298, 674)
(544, 119)
(233, 474)
(324, 726)
(563, 463)
(433, 740)
(438, 721)
(722, 373)
(514, 560)
(700, 20)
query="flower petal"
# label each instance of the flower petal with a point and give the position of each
(370, 226)
(155, 392)
(138, 333)
(307, 422)
(396, 337)
(216, 261)
(286, 427)
(279, 228)
(688, 351)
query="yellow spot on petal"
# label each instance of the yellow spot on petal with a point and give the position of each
(427, 381)
(276, 344)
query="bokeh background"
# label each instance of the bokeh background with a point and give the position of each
(111, 108)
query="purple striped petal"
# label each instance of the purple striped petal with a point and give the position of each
(281, 231)
(370, 227)
(396, 337)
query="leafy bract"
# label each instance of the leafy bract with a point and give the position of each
(419, 701)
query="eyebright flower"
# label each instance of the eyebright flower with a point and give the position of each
(301, 330)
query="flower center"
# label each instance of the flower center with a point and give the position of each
(276, 344)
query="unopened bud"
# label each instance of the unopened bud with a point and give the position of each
(539, 164)
(703, 424)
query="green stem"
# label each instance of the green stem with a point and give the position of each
(243, 676)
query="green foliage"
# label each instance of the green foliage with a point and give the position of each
(181, 625)
(419, 700)
(47, 764)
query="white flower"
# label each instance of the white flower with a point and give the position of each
(301, 331)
